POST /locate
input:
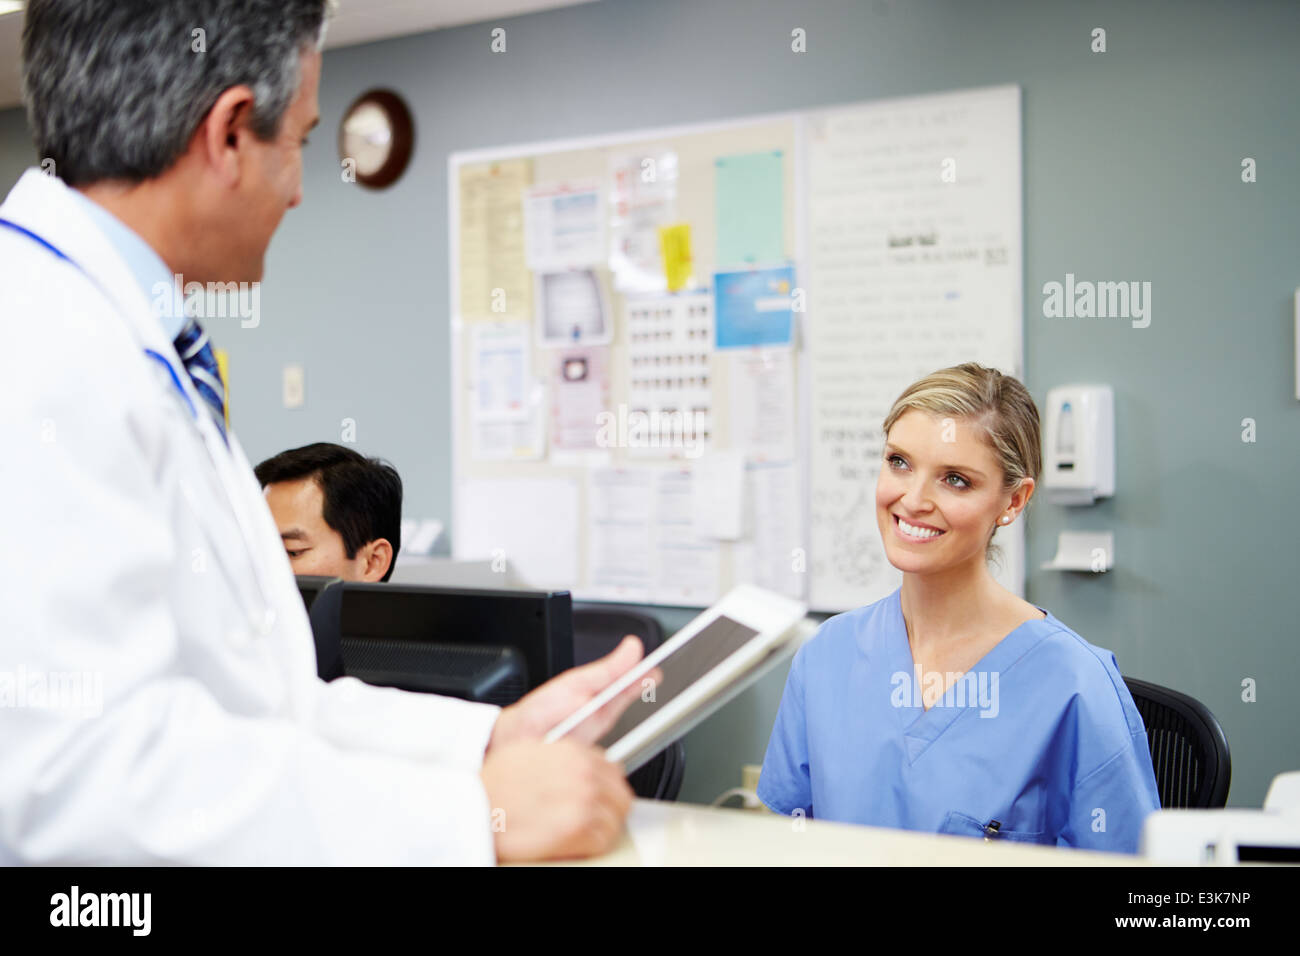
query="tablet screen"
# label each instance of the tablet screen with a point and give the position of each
(717, 641)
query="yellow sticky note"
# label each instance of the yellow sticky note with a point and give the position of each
(223, 369)
(675, 245)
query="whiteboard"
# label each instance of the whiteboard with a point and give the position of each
(852, 176)
(914, 264)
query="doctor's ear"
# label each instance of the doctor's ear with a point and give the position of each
(218, 135)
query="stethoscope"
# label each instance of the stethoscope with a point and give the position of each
(262, 620)
(59, 253)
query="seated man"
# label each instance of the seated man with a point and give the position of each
(338, 512)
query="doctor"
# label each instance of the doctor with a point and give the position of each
(158, 691)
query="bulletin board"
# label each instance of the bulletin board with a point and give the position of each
(672, 349)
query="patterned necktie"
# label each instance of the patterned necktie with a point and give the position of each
(195, 350)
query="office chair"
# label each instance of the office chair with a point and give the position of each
(1189, 751)
(324, 602)
(597, 630)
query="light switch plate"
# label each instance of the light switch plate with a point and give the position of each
(294, 386)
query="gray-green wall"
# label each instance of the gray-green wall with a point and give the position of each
(1131, 171)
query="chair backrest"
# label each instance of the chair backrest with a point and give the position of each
(1189, 750)
(324, 614)
(597, 630)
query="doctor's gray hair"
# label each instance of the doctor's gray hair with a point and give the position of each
(115, 89)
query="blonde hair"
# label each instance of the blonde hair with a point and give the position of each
(997, 404)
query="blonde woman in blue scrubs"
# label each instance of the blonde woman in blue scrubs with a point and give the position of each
(953, 706)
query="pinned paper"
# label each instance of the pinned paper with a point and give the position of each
(670, 373)
(718, 496)
(522, 525)
(579, 393)
(572, 308)
(494, 275)
(643, 545)
(754, 307)
(565, 226)
(750, 191)
(500, 364)
(643, 198)
(675, 246)
(507, 414)
(763, 401)
(770, 554)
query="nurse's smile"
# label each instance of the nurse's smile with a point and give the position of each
(915, 532)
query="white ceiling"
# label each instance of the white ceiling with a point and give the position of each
(360, 21)
(357, 21)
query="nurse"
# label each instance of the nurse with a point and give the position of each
(953, 706)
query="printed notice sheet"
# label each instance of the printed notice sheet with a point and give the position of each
(565, 226)
(494, 276)
(507, 418)
(579, 393)
(775, 554)
(643, 545)
(643, 191)
(530, 524)
(669, 374)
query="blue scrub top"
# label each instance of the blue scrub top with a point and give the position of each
(1041, 736)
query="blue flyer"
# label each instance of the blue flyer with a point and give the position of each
(753, 307)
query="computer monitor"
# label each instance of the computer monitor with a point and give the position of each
(310, 587)
(491, 646)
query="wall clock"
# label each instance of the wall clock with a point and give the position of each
(377, 135)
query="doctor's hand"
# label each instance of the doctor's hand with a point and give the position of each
(533, 715)
(554, 801)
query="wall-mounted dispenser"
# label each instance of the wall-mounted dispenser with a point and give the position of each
(1079, 444)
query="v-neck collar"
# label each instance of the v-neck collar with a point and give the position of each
(921, 727)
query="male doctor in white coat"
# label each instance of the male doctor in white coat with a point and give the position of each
(158, 690)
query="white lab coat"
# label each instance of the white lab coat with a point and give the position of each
(138, 552)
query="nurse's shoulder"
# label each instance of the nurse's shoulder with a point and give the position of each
(842, 637)
(1088, 684)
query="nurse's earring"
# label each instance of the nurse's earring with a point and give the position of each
(1005, 519)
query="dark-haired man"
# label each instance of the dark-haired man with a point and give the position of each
(212, 741)
(338, 512)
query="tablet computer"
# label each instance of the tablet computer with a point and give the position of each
(700, 666)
